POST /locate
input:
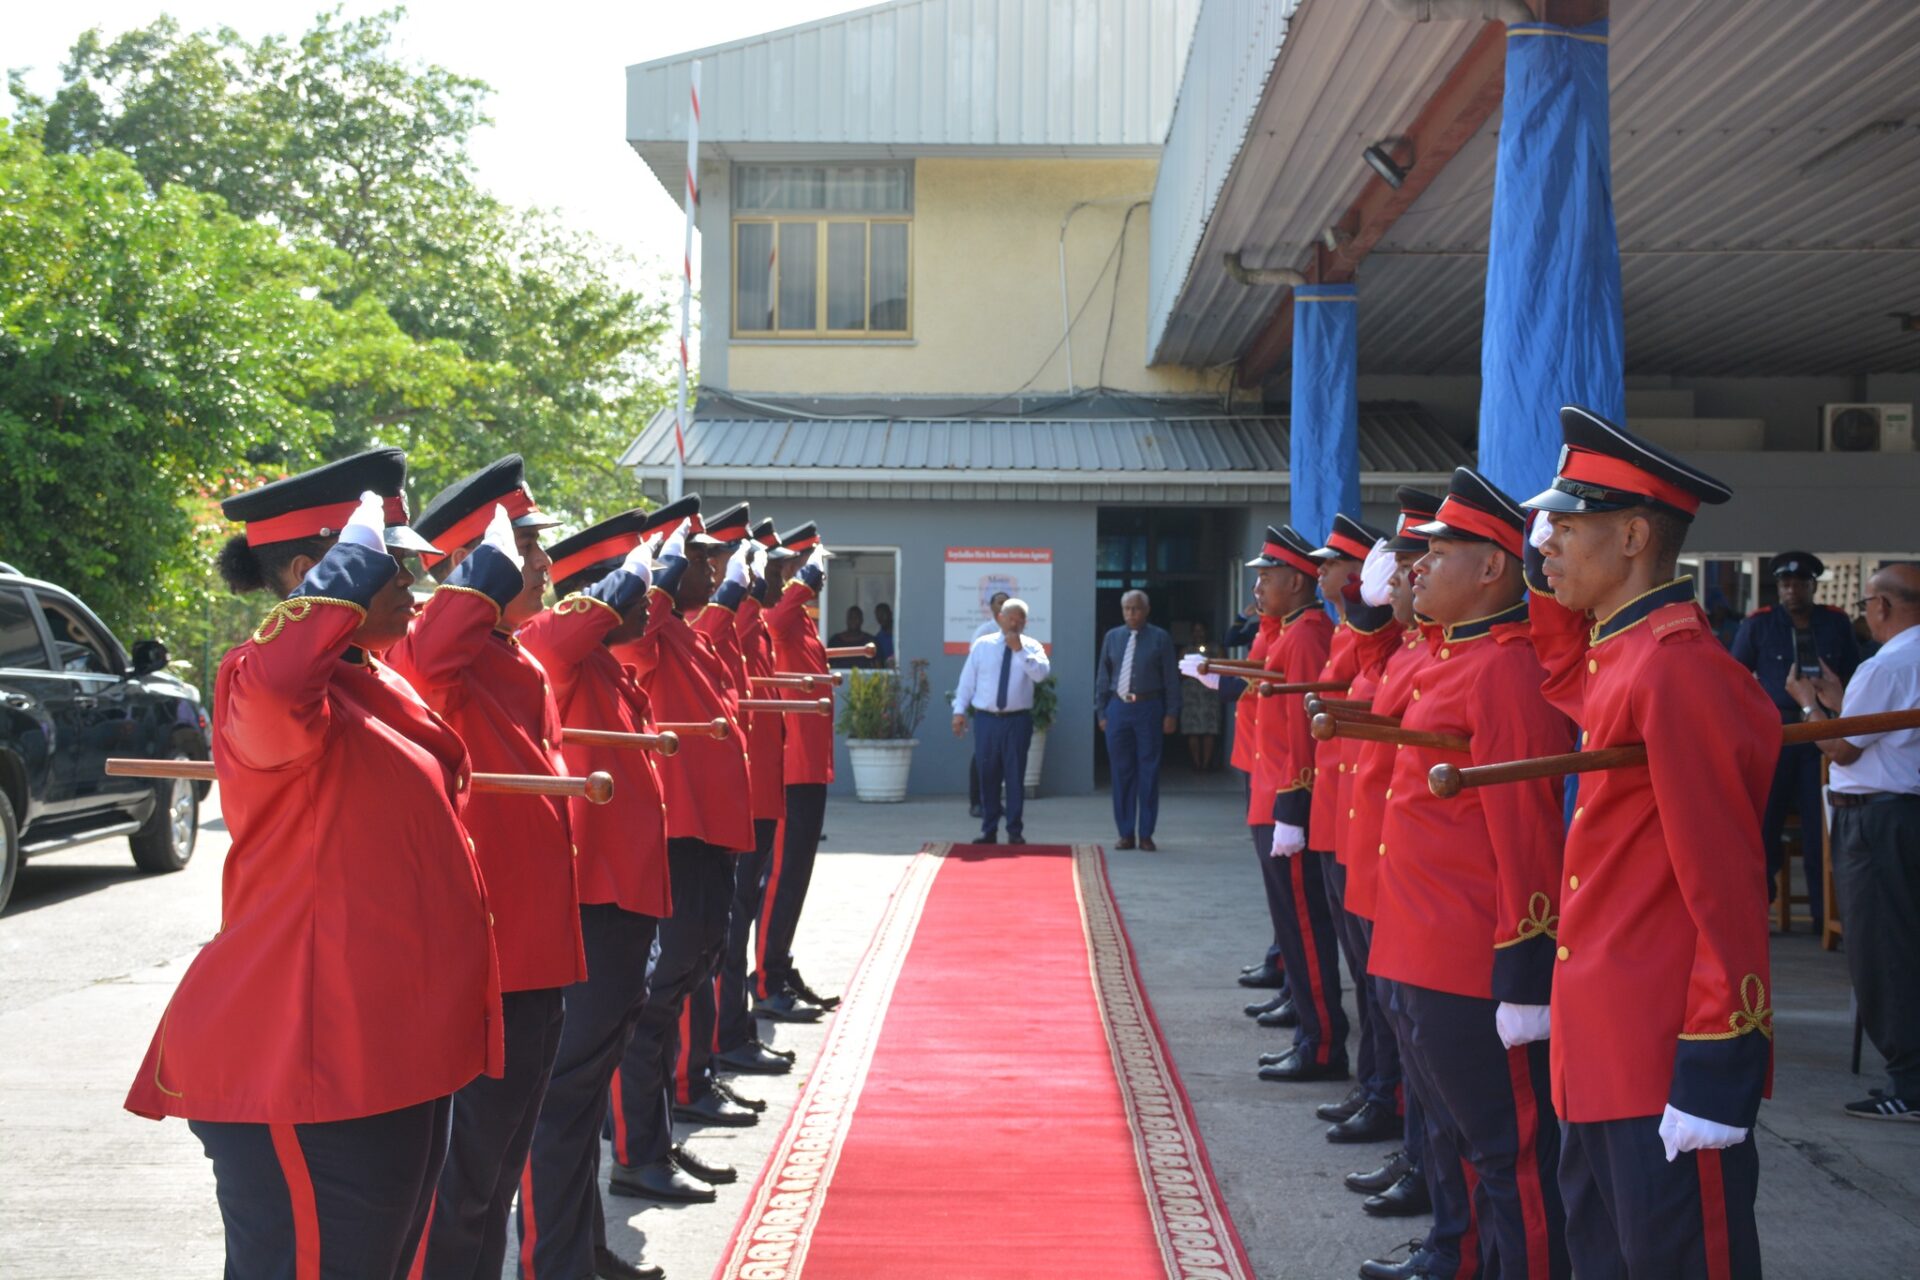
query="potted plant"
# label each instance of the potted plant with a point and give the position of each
(1046, 704)
(879, 713)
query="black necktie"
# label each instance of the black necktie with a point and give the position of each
(1006, 674)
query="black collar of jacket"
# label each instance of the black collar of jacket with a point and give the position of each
(1475, 628)
(1635, 611)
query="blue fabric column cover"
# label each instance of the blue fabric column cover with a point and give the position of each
(1554, 333)
(1324, 431)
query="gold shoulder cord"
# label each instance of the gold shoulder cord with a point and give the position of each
(297, 609)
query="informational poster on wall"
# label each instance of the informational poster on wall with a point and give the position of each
(974, 574)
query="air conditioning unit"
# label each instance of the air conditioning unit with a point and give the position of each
(1866, 428)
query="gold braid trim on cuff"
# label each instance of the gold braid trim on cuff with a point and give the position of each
(1539, 920)
(297, 609)
(1753, 1015)
(581, 602)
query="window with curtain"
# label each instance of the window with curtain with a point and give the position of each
(822, 250)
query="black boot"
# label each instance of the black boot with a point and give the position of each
(1284, 1016)
(1403, 1199)
(1338, 1111)
(1374, 1181)
(1371, 1123)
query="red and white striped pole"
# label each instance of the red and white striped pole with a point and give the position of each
(680, 420)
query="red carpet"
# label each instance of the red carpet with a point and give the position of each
(993, 1099)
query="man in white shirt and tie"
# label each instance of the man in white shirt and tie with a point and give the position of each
(997, 685)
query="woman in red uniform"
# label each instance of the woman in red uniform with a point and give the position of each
(313, 1045)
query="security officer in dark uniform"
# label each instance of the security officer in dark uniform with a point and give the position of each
(1796, 633)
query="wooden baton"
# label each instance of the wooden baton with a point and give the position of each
(1367, 732)
(853, 651)
(1231, 667)
(1346, 707)
(1446, 780)
(714, 728)
(822, 706)
(1328, 725)
(596, 788)
(1270, 689)
(829, 677)
(782, 682)
(666, 742)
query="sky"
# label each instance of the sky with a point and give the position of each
(556, 68)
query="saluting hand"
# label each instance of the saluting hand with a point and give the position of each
(638, 563)
(499, 536)
(367, 526)
(737, 565)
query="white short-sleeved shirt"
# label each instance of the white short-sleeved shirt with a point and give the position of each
(1888, 681)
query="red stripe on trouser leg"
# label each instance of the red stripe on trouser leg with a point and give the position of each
(1526, 1165)
(529, 1228)
(1713, 1216)
(1323, 1051)
(682, 1087)
(619, 1122)
(418, 1270)
(306, 1214)
(766, 911)
(719, 1014)
(1470, 1238)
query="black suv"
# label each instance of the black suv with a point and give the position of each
(70, 697)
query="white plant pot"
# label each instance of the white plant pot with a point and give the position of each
(1036, 755)
(880, 768)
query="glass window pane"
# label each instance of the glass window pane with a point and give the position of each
(753, 285)
(799, 267)
(889, 307)
(846, 275)
(797, 188)
(20, 647)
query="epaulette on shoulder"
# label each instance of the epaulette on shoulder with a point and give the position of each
(1673, 621)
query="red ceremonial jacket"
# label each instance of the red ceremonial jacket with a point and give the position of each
(495, 695)
(721, 622)
(797, 648)
(1246, 713)
(1372, 771)
(354, 969)
(1342, 664)
(622, 844)
(706, 780)
(1284, 764)
(1661, 991)
(766, 734)
(1468, 887)
(1373, 648)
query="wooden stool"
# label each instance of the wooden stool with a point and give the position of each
(1784, 898)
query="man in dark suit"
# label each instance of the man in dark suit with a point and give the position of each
(1137, 701)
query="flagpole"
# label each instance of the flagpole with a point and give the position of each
(680, 420)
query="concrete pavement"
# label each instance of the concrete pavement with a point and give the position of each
(90, 952)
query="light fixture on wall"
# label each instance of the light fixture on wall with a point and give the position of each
(1391, 158)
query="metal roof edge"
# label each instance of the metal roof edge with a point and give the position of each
(725, 46)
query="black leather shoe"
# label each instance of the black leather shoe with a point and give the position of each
(1124, 842)
(714, 1175)
(1371, 1123)
(1338, 1111)
(662, 1180)
(1266, 976)
(1147, 845)
(797, 987)
(1016, 839)
(1275, 1059)
(990, 837)
(975, 811)
(1285, 1016)
(608, 1265)
(1411, 1267)
(1374, 1181)
(1259, 1007)
(1403, 1199)
(727, 1091)
(1302, 1069)
(782, 1007)
(753, 1059)
(711, 1108)
(1255, 967)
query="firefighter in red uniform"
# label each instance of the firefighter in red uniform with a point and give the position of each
(707, 823)
(602, 575)
(1662, 1030)
(1284, 772)
(462, 657)
(779, 991)
(1469, 889)
(314, 1045)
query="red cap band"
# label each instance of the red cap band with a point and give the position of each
(1291, 558)
(314, 522)
(807, 543)
(1347, 546)
(606, 549)
(470, 526)
(1617, 473)
(1470, 519)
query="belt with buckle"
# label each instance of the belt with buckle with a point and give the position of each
(1854, 799)
(1022, 711)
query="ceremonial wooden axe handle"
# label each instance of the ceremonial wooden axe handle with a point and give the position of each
(666, 742)
(1344, 707)
(596, 788)
(1325, 727)
(820, 707)
(782, 682)
(1328, 725)
(714, 728)
(1446, 780)
(1271, 689)
(853, 651)
(817, 677)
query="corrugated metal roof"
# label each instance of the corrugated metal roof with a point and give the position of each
(1766, 163)
(913, 76)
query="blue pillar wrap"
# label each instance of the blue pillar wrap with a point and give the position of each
(1324, 445)
(1554, 333)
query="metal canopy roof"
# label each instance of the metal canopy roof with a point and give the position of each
(954, 77)
(1766, 175)
(1088, 459)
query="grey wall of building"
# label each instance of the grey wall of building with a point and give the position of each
(1868, 502)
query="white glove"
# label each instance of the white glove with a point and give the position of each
(1537, 534)
(499, 536)
(1210, 680)
(1682, 1132)
(737, 566)
(367, 526)
(676, 544)
(1520, 1024)
(637, 564)
(1287, 840)
(1190, 665)
(1376, 575)
(756, 562)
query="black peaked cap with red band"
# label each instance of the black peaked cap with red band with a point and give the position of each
(802, 539)
(688, 509)
(730, 526)
(763, 533)
(1605, 467)
(606, 543)
(1416, 508)
(462, 511)
(317, 503)
(1350, 540)
(1283, 546)
(1475, 511)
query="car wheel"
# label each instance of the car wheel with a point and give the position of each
(166, 841)
(9, 849)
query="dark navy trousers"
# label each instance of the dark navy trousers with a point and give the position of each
(345, 1200)
(686, 948)
(560, 1187)
(1000, 745)
(1310, 953)
(1453, 1246)
(493, 1124)
(1796, 789)
(1376, 1063)
(1134, 741)
(1273, 878)
(1633, 1216)
(734, 1001)
(789, 874)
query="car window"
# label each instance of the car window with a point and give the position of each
(77, 647)
(20, 647)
